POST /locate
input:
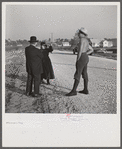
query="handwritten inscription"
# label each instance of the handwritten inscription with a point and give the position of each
(14, 122)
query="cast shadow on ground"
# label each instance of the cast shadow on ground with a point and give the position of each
(60, 87)
(55, 91)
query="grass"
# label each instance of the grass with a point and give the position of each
(12, 73)
(98, 52)
(112, 49)
(12, 48)
(106, 55)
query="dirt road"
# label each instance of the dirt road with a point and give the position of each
(102, 74)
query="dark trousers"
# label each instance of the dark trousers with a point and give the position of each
(30, 79)
(84, 73)
(81, 67)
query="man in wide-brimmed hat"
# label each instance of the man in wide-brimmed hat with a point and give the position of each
(33, 66)
(81, 64)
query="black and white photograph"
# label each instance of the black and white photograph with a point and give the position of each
(61, 62)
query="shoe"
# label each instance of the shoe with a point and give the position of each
(36, 95)
(28, 94)
(42, 82)
(48, 83)
(84, 92)
(72, 93)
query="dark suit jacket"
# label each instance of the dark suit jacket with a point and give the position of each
(33, 60)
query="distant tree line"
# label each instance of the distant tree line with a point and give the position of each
(24, 43)
(9, 42)
(71, 41)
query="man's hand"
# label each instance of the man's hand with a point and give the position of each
(91, 50)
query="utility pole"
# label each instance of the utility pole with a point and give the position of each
(51, 37)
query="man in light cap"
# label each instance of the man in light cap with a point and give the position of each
(81, 63)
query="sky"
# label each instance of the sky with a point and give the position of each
(23, 21)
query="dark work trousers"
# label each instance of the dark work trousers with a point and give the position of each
(81, 67)
(30, 79)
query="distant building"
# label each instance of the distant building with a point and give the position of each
(107, 43)
(19, 45)
(110, 42)
(59, 45)
(95, 42)
(48, 42)
(65, 44)
(114, 41)
(104, 42)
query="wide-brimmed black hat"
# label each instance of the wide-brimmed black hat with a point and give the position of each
(33, 39)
